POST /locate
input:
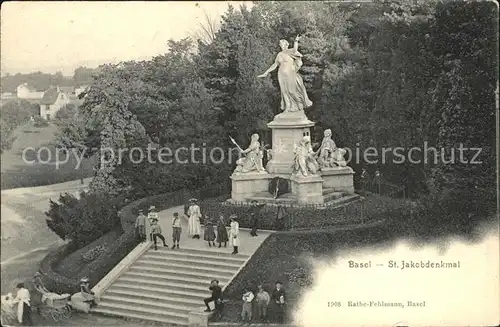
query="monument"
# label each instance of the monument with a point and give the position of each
(312, 176)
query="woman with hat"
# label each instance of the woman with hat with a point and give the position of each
(87, 294)
(194, 214)
(234, 233)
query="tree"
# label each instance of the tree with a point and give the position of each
(83, 76)
(85, 219)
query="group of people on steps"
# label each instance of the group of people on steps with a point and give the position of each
(214, 231)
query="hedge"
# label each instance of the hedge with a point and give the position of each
(118, 250)
(303, 217)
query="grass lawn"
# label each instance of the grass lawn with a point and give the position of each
(16, 171)
(75, 263)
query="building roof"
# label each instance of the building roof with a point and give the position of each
(50, 96)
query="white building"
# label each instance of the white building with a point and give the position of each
(53, 100)
(25, 91)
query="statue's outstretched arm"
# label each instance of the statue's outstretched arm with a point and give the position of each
(270, 69)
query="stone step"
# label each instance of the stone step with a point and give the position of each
(206, 262)
(148, 305)
(266, 197)
(135, 312)
(156, 290)
(160, 281)
(215, 253)
(176, 272)
(197, 268)
(328, 190)
(163, 300)
(156, 276)
(172, 286)
(332, 196)
(344, 200)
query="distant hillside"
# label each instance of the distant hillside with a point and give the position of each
(43, 81)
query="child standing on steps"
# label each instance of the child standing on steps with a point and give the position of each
(234, 234)
(209, 234)
(176, 230)
(222, 232)
(156, 233)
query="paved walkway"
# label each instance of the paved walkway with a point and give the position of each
(248, 244)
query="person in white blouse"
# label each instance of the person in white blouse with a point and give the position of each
(234, 233)
(23, 301)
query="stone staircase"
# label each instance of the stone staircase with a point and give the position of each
(164, 286)
(334, 198)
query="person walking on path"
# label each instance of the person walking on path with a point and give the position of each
(262, 300)
(209, 234)
(246, 310)
(140, 226)
(216, 296)
(234, 234)
(278, 300)
(222, 232)
(194, 214)
(157, 233)
(152, 216)
(176, 230)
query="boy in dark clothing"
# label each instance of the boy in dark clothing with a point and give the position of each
(278, 301)
(216, 296)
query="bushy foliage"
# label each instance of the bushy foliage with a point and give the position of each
(85, 219)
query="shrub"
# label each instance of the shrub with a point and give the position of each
(83, 220)
(295, 217)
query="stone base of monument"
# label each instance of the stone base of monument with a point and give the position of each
(288, 128)
(307, 189)
(245, 185)
(339, 179)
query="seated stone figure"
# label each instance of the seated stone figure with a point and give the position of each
(328, 154)
(305, 162)
(253, 158)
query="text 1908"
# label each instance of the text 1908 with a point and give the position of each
(334, 304)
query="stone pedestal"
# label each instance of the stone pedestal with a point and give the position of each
(288, 128)
(198, 318)
(338, 178)
(244, 185)
(308, 190)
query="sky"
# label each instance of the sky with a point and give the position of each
(61, 36)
